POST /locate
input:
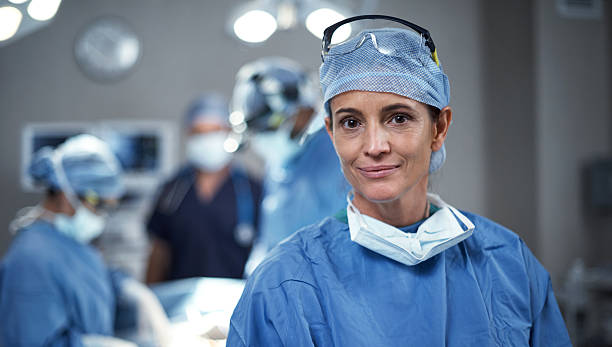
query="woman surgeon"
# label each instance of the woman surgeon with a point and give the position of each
(398, 266)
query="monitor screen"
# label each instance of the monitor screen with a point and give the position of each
(137, 153)
(52, 140)
(145, 149)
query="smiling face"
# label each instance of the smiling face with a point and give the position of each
(384, 142)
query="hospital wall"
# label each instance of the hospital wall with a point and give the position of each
(530, 92)
(574, 127)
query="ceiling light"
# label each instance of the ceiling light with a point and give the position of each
(321, 18)
(42, 10)
(10, 18)
(17, 2)
(255, 26)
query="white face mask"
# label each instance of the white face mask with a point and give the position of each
(206, 151)
(439, 232)
(276, 147)
(83, 226)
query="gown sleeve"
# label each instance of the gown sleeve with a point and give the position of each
(548, 326)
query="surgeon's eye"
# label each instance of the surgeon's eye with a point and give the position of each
(349, 123)
(400, 118)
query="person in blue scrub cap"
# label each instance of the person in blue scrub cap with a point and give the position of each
(55, 289)
(276, 105)
(205, 218)
(397, 266)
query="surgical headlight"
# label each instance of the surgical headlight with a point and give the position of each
(334, 45)
(267, 97)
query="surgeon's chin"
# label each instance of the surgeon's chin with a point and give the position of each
(378, 194)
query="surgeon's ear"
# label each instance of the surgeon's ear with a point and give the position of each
(440, 128)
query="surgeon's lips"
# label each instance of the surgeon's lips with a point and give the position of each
(377, 171)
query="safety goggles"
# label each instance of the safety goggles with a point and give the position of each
(336, 41)
(101, 206)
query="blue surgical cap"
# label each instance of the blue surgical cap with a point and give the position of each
(208, 107)
(389, 60)
(88, 164)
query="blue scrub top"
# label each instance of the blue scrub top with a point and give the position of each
(303, 191)
(319, 288)
(54, 289)
(202, 235)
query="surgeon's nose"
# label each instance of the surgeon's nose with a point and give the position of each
(376, 141)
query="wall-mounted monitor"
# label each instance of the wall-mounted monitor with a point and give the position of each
(145, 149)
(38, 135)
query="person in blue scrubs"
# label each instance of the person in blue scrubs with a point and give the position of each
(398, 266)
(55, 289)
(205, 218)
(277, 108)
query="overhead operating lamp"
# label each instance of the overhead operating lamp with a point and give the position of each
(321, 18)
(21, 17)
(255, 21)
(10, 19)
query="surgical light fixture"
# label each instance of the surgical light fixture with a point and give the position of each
(10, 18)
(255, 26)
(321, 18)
(21, 17)
(42, 10)
(255, 21)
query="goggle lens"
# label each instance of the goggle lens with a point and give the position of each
(336, 36)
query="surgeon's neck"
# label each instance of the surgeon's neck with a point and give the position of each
(408, 208)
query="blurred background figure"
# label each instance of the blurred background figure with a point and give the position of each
(205, 218)
(277, 106)
(54, 287)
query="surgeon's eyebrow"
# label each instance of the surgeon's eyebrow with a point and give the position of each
(398, 106)
(348, 110)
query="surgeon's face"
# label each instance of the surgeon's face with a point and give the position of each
(384, 142)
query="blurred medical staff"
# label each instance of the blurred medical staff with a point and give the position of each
(205, 218)
(54, 288)
(276, 106)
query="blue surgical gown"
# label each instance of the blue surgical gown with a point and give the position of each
(319, 288)
(303, 191)
(53, 290)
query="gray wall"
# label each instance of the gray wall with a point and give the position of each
(530, 99)
(509, 116)
(574, 126)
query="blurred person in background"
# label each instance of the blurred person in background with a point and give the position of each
(205, 219)
(276, 106)
(55, 289)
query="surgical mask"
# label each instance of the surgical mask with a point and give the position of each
(437, 233)
(206, 151)
(83, 226)
(276, 147)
